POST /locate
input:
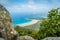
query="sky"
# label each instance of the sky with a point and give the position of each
(30, 6)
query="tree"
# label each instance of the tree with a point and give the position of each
(50, 27)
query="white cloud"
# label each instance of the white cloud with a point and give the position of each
(28, 8)
(32, 7)
(31, 2)
(3, 1)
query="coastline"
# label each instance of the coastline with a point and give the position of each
(34, 21)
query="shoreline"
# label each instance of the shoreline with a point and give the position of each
(34, 21)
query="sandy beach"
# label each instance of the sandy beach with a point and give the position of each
(29, 23)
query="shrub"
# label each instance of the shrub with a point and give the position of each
(50, 27)
(23, 32)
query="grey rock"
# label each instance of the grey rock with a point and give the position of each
(6, 28)
(52, 38)
(1, 39)
(26, 38)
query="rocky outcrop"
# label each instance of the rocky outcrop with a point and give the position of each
(6, 28)
(1, 39)
(7, 31)
(52, 38)
(26, 38)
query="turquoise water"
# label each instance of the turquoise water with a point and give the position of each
(20, 21)
(20, 18)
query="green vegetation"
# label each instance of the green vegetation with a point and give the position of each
(34, 27)
(28, 32)
(50, 27)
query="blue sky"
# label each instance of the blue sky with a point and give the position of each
(30, 6)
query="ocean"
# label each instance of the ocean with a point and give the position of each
(20, 18)
(20, 21)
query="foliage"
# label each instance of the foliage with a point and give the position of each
(28, 32)
(50, 27)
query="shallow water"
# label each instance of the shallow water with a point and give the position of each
(20, 18)
(20, 21)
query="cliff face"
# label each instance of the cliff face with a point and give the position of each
(6, 29)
